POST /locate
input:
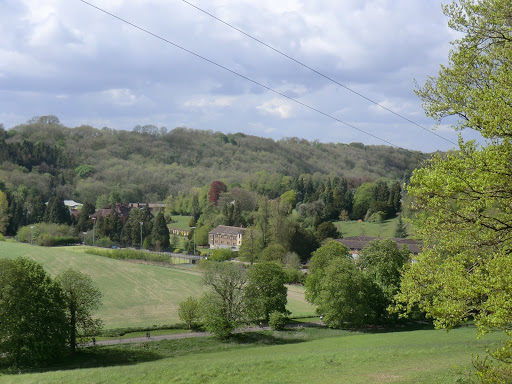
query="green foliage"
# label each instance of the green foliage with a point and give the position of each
(376, 217)
(82, 298)
(189, 311)
(129, 254)
(346, 296)
(265, 291)
(221, 254)
(47, 234)
(327, 230)
(85, 170)
(294, 276)
(319, 262)
(2, 238)
(462, 200)
(277, 321)
(33, 324)
(4, 212)
(252, 245)
(274, 252)
(223, 308)
(400, 229)
(383, 262)
(56, 212)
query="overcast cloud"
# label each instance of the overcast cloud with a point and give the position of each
(65, 58)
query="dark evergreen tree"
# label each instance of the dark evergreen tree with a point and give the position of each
(160, 234)
(400, 229)
(57, 212)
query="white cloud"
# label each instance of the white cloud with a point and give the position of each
(277, 107)
(122, 97)
(79, 63)
(210, 101)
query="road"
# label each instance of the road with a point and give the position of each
(188, 335)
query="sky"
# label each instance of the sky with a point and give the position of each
(66, 58)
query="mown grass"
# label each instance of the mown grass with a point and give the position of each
(302, 356)
(363, 228)
(180, 222)
(134, 295)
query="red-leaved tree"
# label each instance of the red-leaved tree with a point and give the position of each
(216, 188)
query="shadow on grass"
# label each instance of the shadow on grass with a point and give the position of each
(262, 338)
(94, 358)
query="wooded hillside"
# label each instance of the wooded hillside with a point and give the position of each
(151, 163)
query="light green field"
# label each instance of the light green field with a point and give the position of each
(384, 229)
(180, 222)
(424, 356)
(133, 294)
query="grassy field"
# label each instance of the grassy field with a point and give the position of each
(180, 222)
(304, 356)
(363, 228)
(134, 295)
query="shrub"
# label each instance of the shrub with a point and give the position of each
(129, 254)
(47, 234)
(277, 321)
(294, 276)
(104, 242)
(2, 238)
(222, 254)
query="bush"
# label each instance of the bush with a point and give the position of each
(47, 234)
(47, 240)
(104, 242)
(294, 276)
(222, 254)
(129, 254)
(277, 321)
(2, 238)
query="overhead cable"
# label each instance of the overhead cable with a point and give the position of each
(238, 74)
(317, 72)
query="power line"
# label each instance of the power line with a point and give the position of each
(317, 72)
(238, 74)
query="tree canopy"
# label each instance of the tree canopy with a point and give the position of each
(82, 298)
(33, 324)
(463, 198)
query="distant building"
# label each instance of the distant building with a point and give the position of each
(154, 208)
(356, 243)
(226, 237)
(123, 210)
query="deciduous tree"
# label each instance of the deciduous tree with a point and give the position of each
(33, 324)
(265, 291)
(224, 307)
(463, 198)
(82, 298)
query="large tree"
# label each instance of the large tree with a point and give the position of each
(463, 198)
(383, 262)
(224, 306)
(265, 291)
(345, 296)
(33, 324)
(82, 298)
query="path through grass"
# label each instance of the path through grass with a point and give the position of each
(307, 356)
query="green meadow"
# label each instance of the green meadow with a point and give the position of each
(364, 228)
(303, 356)
(134, 294)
